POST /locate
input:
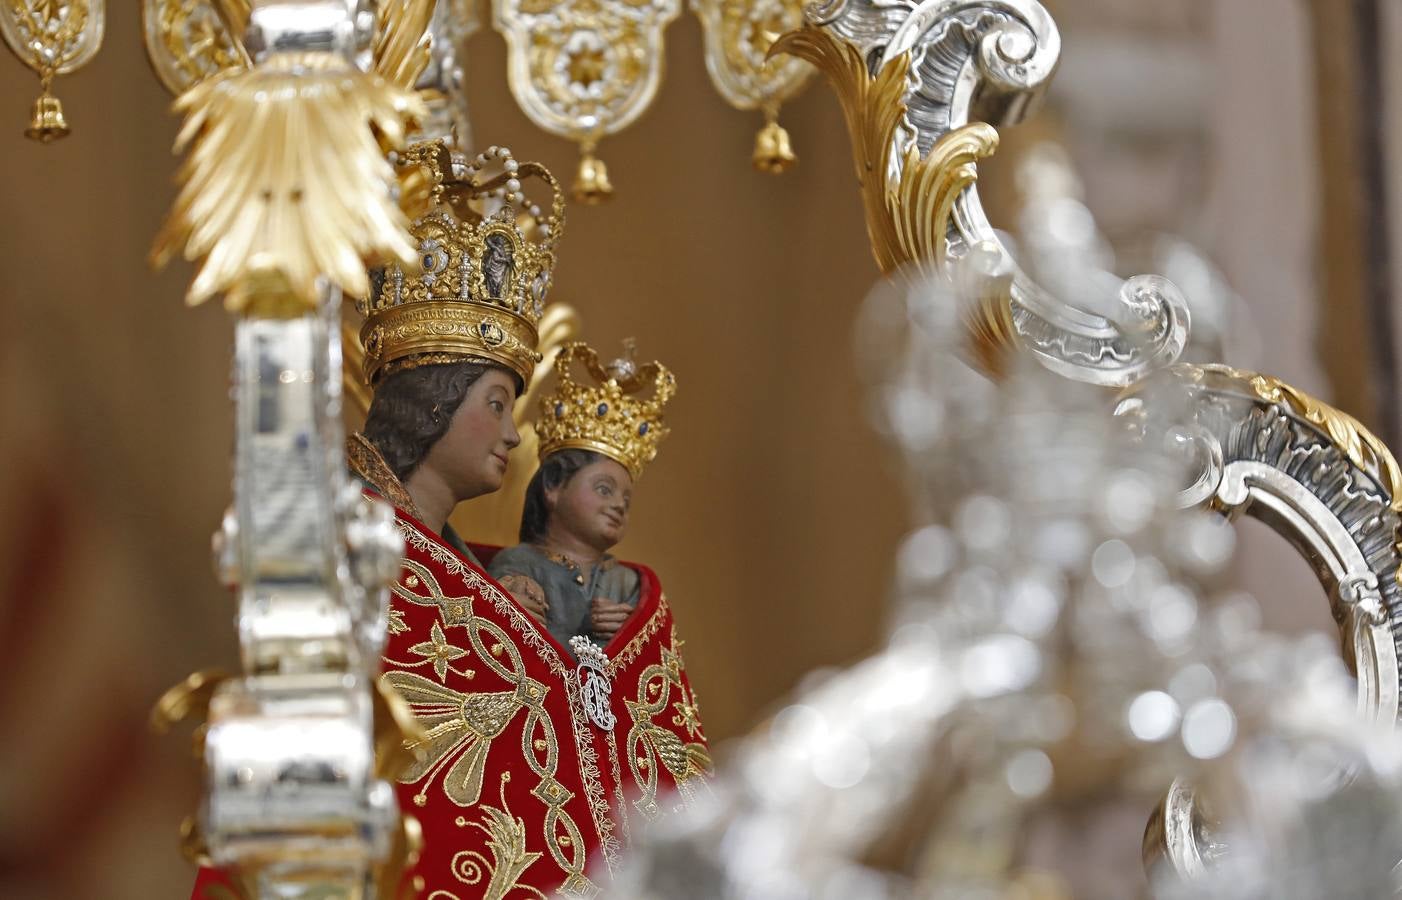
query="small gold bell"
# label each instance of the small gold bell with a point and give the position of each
(47, 123)
(773, 152)
(591, 184)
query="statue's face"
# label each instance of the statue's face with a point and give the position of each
(593, 505)
(472, 455)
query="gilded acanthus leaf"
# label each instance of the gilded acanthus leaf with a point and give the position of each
(908, 208)
(908, 215)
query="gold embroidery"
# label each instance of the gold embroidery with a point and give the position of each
(506, 839)
(620, 802)
(439, 651)
(635, 646)
(459, 730)
(461, 726)
(367, 462)
(688, 714)
(648, 741)
(529, 636)
(397, 625)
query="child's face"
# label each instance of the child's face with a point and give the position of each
(593, 505)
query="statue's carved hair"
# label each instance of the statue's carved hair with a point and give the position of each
(412, 409)
(555, 471)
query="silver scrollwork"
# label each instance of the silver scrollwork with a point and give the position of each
(990, 61)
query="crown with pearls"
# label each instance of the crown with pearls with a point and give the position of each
(486, 259)
(610, 416)
(589, 654)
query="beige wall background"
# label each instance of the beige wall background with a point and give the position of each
(771, 512)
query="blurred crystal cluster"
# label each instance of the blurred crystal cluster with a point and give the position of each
(1062, 241)
(1064, 647)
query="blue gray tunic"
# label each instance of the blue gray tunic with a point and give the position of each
(569, 592)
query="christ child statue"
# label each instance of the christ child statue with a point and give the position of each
(595, 440)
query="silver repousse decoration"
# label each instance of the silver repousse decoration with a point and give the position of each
(989, 61)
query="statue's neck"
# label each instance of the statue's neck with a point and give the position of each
(559, 541)
(432, 496)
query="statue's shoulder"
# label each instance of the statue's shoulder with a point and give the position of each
(514, 559)
(647, 579)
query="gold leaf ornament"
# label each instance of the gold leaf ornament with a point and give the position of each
(738, 35)
(907, 215)
(584, 69)
(52, 37)
(1359, 445)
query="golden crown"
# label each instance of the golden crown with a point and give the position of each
(609, 416)
(486, 259)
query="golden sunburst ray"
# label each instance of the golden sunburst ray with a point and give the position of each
(287, 183)
(402, 43)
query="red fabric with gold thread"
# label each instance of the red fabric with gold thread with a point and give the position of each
(658, 748)
(516, 790)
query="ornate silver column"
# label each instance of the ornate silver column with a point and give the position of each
(287, 198)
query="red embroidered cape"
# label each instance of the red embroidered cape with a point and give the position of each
(516, 790)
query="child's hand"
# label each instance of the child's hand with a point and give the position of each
(606, 617)
(529, 594)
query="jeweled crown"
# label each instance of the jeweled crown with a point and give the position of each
(612, 416)
(487, 257)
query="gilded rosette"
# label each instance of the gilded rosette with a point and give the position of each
(584, 69)
(485, 260)
(614, 415)
(52, 37)
(188, 41)
(738, 38)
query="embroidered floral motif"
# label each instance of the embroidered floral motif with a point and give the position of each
(688, 714)
(437, 649)
(457, 611)
(396, 622)
(506, 840)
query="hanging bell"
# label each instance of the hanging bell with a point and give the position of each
(773, 152)
(591, 183)
(47, 123)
